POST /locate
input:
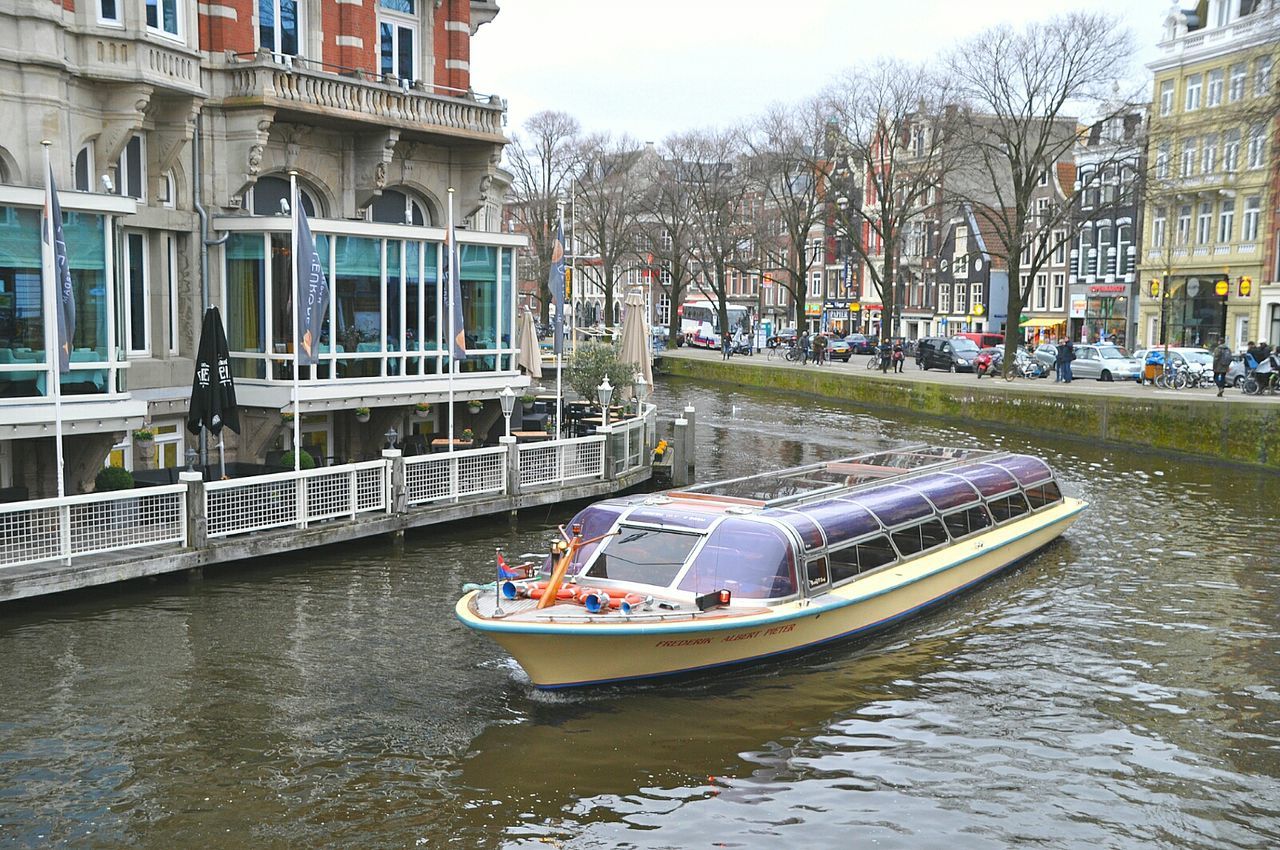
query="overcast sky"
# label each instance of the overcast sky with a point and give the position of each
(654, 67)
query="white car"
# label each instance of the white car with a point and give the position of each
(1104, 362)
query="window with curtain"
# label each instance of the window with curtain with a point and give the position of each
(246, 276)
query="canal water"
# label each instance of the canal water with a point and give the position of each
(1117, 691)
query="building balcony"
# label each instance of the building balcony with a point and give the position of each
(123, 59)
(297, 85)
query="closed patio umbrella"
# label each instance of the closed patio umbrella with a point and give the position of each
(634, 348)
(213, 393)
(530, 357)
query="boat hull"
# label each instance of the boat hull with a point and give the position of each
(579, 654)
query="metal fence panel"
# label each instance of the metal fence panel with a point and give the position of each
(451, 475)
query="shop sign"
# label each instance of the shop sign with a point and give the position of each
(1078, 307)
(1109, 289)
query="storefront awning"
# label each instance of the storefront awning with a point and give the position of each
(1042, 323)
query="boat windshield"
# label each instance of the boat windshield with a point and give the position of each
(643, 555)
(751, 559)
(595, 521)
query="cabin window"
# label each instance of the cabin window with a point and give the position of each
(816, 570)
(749, 558)
(1045, 494)
(1009, 507)
(918, 538)
(644, 556)
(861, 557)
(966, 522)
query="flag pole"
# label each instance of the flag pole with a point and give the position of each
(51, 342)
(560, 348)
(451, 260)
(293, 241)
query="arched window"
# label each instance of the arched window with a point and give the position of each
(265, 197)
(396, 207)
(84, 169)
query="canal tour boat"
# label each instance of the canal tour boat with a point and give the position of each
(745, 569)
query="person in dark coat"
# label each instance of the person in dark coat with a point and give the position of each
(1221, 365)
(1071, 355)
(803, 342)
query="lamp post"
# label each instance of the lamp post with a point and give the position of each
(508, 399)
(642, 389)
(391, 437)
(604, 395)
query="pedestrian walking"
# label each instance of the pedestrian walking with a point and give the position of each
(886, 355)
(803, 342)
(819, 348)
(1221, 365)
(899, 355)
(1066, 366)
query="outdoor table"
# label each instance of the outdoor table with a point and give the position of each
(530, 436)
(441, 444)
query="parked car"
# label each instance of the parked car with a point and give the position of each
(955, 354)
(1195, 359)
(1237, 372)
(1105, 362)
(861, 343)
(838, 349)
(1047, 354)
(785, 336)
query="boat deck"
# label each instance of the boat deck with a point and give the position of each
(483, 604)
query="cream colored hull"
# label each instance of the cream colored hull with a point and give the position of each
(568, 655)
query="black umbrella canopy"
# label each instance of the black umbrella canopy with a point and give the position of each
(213, 393)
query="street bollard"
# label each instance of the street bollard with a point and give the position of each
(691, 441)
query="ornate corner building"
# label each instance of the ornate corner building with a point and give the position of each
(1210, 163)
(164, 114)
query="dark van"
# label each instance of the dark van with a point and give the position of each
(954, 354)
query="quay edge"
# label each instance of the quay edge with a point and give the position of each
(1204, 428)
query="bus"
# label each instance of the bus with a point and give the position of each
(700, 322)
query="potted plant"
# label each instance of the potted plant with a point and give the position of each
(362, 414)
(305, 460)
(287, 417)
(468, 436)
(144, 446)
(422, 410)
(112, 478)
(526, 402)
(474, 406)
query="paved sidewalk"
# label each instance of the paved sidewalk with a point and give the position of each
(857, 369)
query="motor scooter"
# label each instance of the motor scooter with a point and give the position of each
(985, 363)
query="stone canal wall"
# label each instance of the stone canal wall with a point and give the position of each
(1235, 431)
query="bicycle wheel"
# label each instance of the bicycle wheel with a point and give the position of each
(873, 362)
(1251, 386)
(1180, 380)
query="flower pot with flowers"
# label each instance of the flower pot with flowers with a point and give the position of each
(286, 417)
(526, 402)
(474, 406)
(468, 436)
(144, 446)
(362, 414)
(422, 410)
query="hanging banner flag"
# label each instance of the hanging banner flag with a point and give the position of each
(555, 282)
(453, 296)
(64, 301)
(312, 297)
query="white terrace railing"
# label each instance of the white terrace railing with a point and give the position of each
(560, 461)
(297, 499)
(53, 529)
(449, 476)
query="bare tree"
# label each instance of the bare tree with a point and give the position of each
(1017, 87)
(898, 131)
(607, 212)
(718, 183)
(788, 168)
(542, 161)
(667, 215)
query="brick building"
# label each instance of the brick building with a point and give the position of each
(166, 113)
